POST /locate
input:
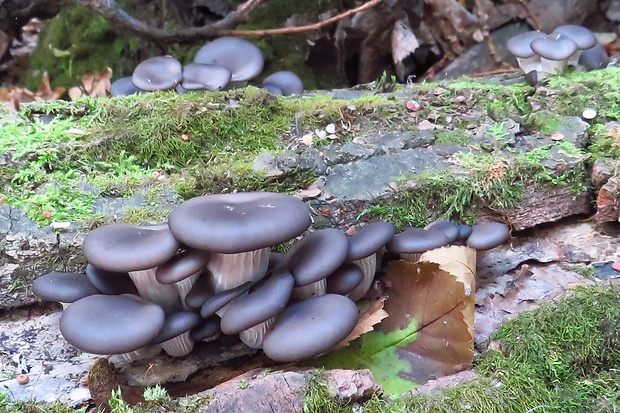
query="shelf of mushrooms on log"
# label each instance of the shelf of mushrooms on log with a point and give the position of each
(208, 288)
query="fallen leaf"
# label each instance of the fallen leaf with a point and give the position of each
(425, 335)
(312, 191)
(368, 318)
(428, 125)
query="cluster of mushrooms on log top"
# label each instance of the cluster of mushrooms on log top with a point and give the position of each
(540, 54)
(224, 63)
(211, 270)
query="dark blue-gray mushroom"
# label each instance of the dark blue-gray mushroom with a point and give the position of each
(174, 337)
(239, 229)
(110, 282)
(124, 87)
(286, 83)
(158, 73)
(244, 59)
(583, 38)
(554, 51)
(594, 58)
(137, 250)
(182, 271)
(63, 287)
(111, 324)
(520, 47)
(197, 76)
(308, 328)
(363, 248)
(411, 243)
(487, 235)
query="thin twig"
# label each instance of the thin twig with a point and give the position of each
(301, 29)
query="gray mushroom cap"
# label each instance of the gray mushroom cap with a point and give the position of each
(286, 81)
(110, 282)
(317, 255)
(265, 302)
(554, 47)
(206, 329)
(345, 279)
(464, 231)
(367, 240)
(219, 300)
(124, 247)
(182, 266)
(202, 76)
(519, 45)
(447, 227)
(157, 73)
(200, 292)
(63, 287)
(308, 328)
(124, 87)
(242, 58)
(239, 222)
(487, 235)
(177, 324)
(273, 89)
(417, 240)
(111, 324)
(583, 37)
(594, 58)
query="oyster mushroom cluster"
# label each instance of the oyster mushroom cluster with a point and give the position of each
(540, 54)
(211, 270)
(226, 62)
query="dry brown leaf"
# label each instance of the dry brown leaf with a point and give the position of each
(367, 319)
(460, 261)
(96, 84)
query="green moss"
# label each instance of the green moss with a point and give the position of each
(451, 136)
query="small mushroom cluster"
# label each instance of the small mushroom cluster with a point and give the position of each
(211, 270)
(540, 54)
(226, 62)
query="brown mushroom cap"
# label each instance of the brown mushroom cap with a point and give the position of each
(157, 73)
(487, 235)
(266, 301)
(317, 255)
(63, 287)
(366, 241)
(308, 328)
(111, 324)
(239, 222)
(242, 58)
(125, 247)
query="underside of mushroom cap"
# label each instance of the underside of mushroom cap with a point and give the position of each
(124, 247)
(239, 222)
(308, 328)
(244, 59)
(111, 324)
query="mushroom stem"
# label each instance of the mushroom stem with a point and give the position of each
(178, 346)
(552, 67)
(527, 64)
(413, 257)
(368, 265)
(142, 353)
(312, 290)
(253, 336)
(149, 288)
(184, 286)
(232, 270)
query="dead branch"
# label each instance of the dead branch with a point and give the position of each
(301, 29)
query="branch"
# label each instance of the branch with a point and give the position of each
(117, 17)
(301, 29)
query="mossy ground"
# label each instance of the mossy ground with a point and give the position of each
(561, 357)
